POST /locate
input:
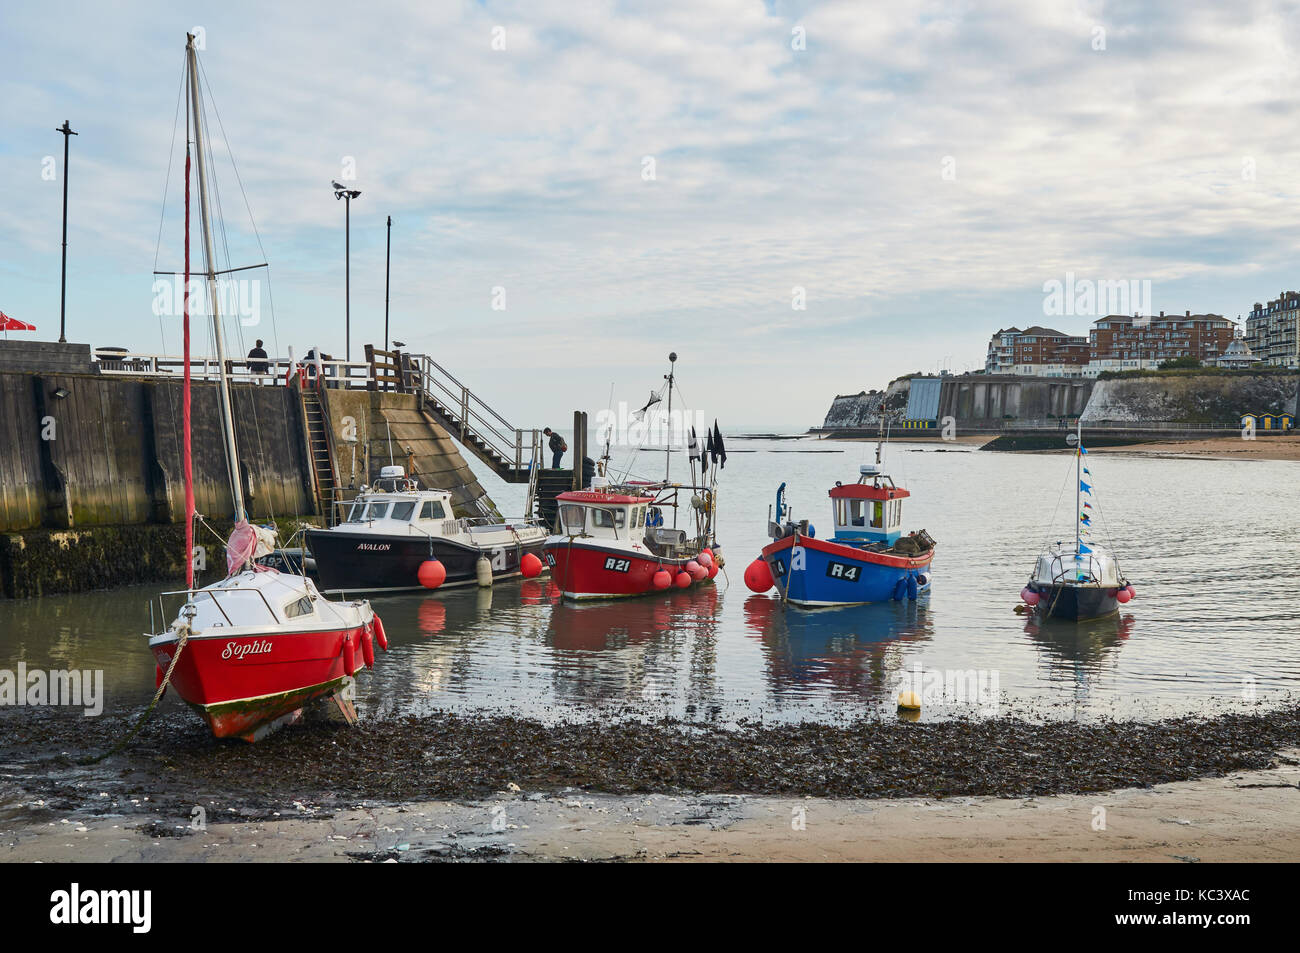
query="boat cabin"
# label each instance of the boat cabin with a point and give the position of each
(396, 503)
(609, 515)
(870, 510)
(618, 517)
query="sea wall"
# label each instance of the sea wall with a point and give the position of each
(981, 400)
(1191, 398)
(79, 450)
(91, 481)
(974, 401)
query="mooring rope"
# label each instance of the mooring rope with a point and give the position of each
(162, 687)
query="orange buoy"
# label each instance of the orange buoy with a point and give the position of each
(432, 573)
(758, 577)
(683, 579)
(530, 566)
(713, 570)
(662, 579)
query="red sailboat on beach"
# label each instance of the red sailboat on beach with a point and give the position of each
(248, 653)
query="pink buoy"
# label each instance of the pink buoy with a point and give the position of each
(1123, 596)
(1029, 596)
(705, 558)
(683, 580)
(662, 579)
(1132, 593)
(349, 655)
(368, 647)
(697, 571)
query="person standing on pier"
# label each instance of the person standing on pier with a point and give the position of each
(257, 360)
(558, 447)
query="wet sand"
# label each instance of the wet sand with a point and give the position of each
(1216, 448)
(1246, 816)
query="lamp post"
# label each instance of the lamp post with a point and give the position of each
(343, 192)
(63, 281)
(388, 260)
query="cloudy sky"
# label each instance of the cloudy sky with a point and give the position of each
(918, 169)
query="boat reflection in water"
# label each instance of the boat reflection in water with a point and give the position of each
(1079, 652)
(855, 651)
(635, 650)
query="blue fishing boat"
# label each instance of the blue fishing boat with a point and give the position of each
(868, 559)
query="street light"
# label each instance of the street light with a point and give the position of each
(343, 192)
(63, 281)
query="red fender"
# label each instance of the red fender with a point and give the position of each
(349, 655)
(379, 634)
(368, 647)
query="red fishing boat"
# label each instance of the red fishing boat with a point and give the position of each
(248, 653)
(611, 539)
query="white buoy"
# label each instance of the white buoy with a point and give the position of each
(483, 572)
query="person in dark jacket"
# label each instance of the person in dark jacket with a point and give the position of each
(257, 360)
(558, 447)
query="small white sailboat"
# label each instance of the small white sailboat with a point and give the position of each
(1077, 580)
(249, 652)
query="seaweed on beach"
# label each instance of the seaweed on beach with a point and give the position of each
(450, 756)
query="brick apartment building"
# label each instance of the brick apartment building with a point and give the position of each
(1120, 342)
(1271, 330)
(1116, 342)
(1012, 350)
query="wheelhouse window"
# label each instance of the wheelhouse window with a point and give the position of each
(432, 510)
(614, 519)
(377, 511)
(573, 519)
(858, 512)
(403, 510)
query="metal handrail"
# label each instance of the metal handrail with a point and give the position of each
(472, 412)
(133, 363)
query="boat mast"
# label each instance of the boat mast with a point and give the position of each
(668, 444)
(1078, 484)
(227, 425)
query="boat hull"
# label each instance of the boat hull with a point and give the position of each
(584, 570)
(1077, 603)
(240, 684)
(814, 573)
(367, 562)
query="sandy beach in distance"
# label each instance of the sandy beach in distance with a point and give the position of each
(1245, 816)
(1281, 447)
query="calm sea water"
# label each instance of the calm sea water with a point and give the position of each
(1210, 546)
